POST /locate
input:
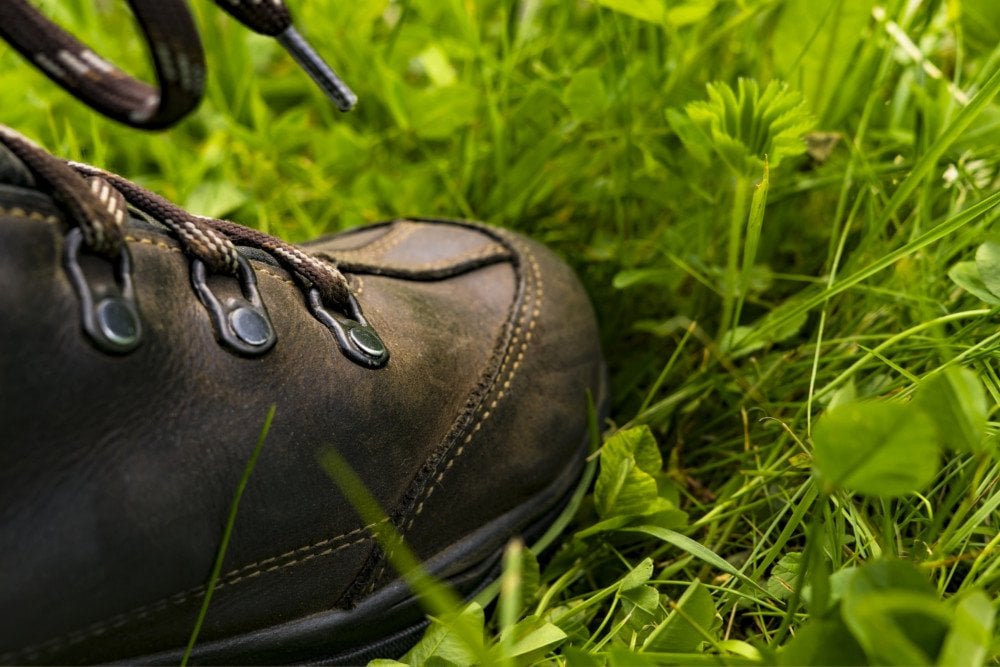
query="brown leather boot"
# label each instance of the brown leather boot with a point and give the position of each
(447, 362)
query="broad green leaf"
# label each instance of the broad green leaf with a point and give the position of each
(646, 451)
(645, 598)
(895, 614)
(543, 638)
(884, 575)
(781, 583)
(835, 585)
(814, 41)
(825, 641)
(742, 649)
(640, 610)
(956, 401)
(585, 96)
(442, 643)
(653, 11)
(623, 489)
(971, 634)
(838, 583)
(988, 263)
(638, 576)
(625, 485)
(878, 449)
(533, 637)
(897, 627)
(669, 518)
(685, 627)
(581, 658)
(966, 276)
(847, 393)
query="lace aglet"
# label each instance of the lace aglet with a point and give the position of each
(324, 76)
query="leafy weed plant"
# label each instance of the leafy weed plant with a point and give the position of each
(784, 213)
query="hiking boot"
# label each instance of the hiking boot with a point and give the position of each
(448, 363)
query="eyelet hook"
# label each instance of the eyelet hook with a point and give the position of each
(109, 312)
(242, 324)
(357, 339)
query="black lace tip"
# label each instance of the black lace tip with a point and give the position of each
(324, 76)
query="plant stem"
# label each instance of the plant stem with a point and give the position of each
(809, 554)
(742, 190)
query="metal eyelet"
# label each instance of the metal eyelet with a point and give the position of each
(241, 324)
(357, 339)
(109, 312)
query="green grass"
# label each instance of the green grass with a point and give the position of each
(807, 392)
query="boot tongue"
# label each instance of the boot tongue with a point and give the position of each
(13, 171)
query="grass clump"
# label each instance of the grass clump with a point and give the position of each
(784, 212)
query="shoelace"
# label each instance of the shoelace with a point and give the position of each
(179, 61)
(97, 205)
(97, 201)
(177, 54)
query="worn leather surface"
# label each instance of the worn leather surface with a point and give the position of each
(117, 472)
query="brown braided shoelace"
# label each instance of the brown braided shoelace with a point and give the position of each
(97, 201)
(97, 204)
(177, 54)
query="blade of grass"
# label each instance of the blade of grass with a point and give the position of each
(929, 160)
(439, 600)
(699, 551)
(944, 229)
(227, 533)
(509, 606)
(755, 224)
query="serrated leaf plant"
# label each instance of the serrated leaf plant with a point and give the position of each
(749, 133)
(746, 126)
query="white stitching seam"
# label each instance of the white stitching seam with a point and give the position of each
(382, 244)
(254, 570)
(18, 212)
(518, 331)
(231, 578)
(535, 306)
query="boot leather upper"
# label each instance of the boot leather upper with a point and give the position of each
(117, 471)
